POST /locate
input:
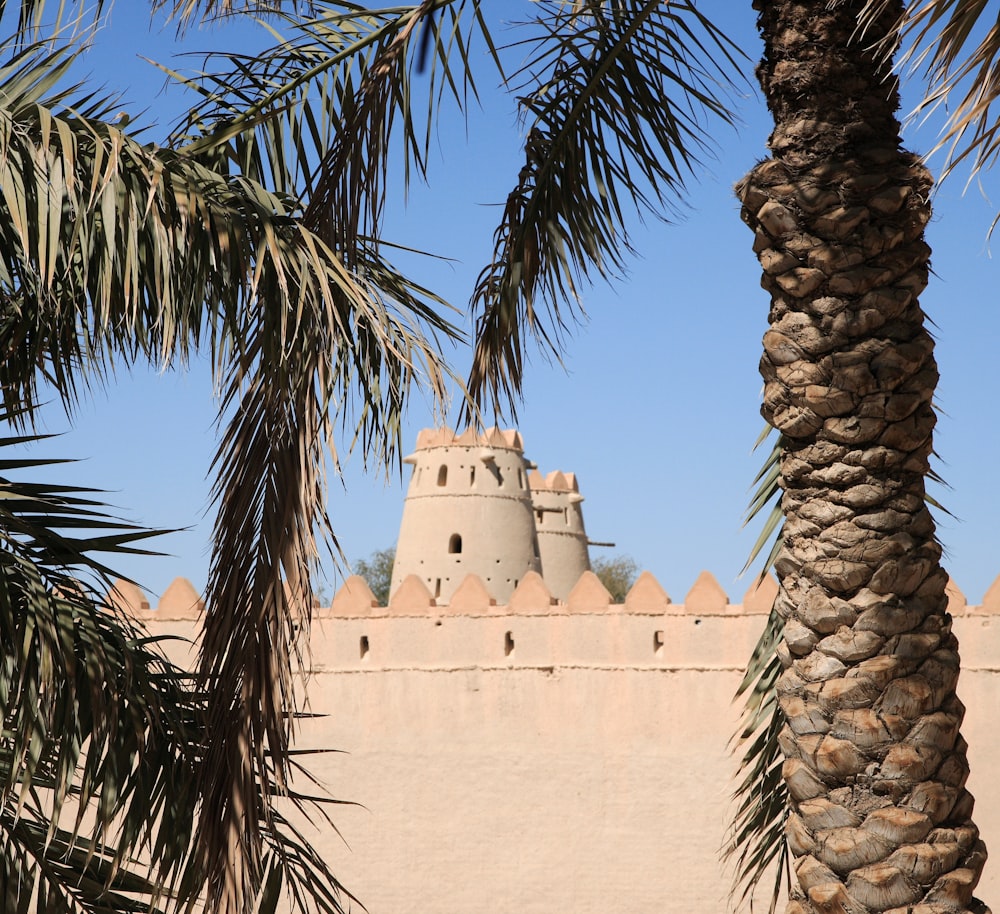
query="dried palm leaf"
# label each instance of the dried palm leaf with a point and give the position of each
(955, 46)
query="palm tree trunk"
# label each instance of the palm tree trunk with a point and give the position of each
(874, 762)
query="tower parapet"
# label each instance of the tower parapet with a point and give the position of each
(468, 511)
(562, 539)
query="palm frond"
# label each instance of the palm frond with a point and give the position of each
(56, 18)
(766, 493)
(93, 718)
(291, 381)
(955, 46)
(348, 195)
(187, 13)
(756, 833)
(314, 115)
(615, 97)
(340, 327)
(117, 250)
(337, 326)
(104, 741)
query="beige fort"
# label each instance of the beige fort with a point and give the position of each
(476, 506)
(537, 754)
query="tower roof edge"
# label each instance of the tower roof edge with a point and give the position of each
(503, 439)
(556, 481)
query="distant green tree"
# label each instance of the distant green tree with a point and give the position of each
(617, 574)
(377, 571)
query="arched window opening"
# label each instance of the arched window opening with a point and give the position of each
(472, 476)
(443, 475)
(455, 543)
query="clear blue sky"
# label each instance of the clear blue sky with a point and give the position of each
(656, 405)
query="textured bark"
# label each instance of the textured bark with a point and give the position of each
(875, 765)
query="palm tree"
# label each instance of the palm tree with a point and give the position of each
(874, 764)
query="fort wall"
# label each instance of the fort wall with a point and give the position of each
(547, 756)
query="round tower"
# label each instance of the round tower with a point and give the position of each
(562, 539)
(468, 510)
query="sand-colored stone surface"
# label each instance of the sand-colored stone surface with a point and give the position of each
(536, 757)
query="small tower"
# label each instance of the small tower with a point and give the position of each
(468, 510)
(562, 539)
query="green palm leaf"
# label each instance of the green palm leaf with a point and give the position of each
(756, 832)
(91, 712)
(636, 80)
(104, 741)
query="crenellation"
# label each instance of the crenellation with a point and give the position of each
(471, 597)
(706, 596)
(412, 596)
(508, 439)
(355, 598)
(957, 604)
(646, 596)
(180, 601)
(588, 595)
(127, 596)
(531, 597)
(760, 595)
(645, 631)
(556, 481)
(991, 599)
